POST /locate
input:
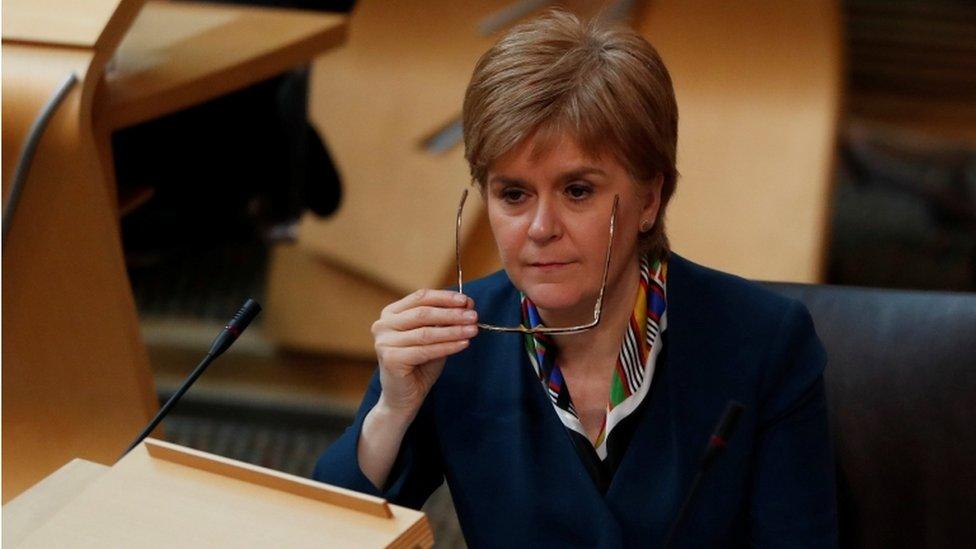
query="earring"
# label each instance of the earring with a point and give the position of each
(645, 226)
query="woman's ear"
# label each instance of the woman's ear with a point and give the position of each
(650, 193)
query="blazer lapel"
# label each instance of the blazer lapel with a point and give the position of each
(564, 478)
(657, 467)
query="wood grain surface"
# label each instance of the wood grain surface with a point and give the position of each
(146, 502)
(399, 79)
(179, 54)
(76, 380)
(758, 88)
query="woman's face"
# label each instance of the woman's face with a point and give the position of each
(550, 213)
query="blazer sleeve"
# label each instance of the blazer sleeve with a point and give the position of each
(794, 500)
(416, 473)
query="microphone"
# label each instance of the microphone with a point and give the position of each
(235, 327)
(716, 444)
(232, 330)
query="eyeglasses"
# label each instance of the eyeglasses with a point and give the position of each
(597, 308)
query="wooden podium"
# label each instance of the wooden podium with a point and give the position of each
(164, 495)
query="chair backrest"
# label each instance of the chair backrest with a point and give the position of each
(901, 388)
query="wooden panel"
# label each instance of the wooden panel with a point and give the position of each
(314, 306)
(34, 507)
(394, 84)
(76, 381)
(182, 54)
(140, 499)
(95, 24)
(758, 89)
(268, 478)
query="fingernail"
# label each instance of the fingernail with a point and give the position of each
(470, 315)
(470, 330)
(460, 299)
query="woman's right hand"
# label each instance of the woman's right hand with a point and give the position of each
(413, 338)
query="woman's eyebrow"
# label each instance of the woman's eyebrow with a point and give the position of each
(574, 173)
(571, 174)
(581, 171)
(505, 180)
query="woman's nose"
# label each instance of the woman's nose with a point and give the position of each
(546, 224)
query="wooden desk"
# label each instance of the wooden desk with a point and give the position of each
(177, 55)
(180, 54)
(31, 509)
(95, 24)
(76, 380)
(164, 495)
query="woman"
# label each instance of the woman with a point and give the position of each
(591, 438)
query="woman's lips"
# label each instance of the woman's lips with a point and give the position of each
(550, 266)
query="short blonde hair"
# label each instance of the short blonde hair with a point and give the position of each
(606, 86)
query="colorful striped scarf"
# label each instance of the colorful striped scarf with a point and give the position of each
(635, 362)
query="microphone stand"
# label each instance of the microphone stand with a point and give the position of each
(221, 343)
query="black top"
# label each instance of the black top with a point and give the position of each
(602, 471)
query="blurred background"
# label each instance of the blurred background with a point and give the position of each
(820, 142)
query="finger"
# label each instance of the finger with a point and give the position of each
(427, 335)
(430, 316)
(436, 298)
(422, 354)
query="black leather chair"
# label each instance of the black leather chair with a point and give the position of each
(901, 388)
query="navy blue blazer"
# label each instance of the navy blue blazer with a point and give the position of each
(488, 427)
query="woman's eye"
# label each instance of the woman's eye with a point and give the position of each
(578, 192)
(512, 196)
